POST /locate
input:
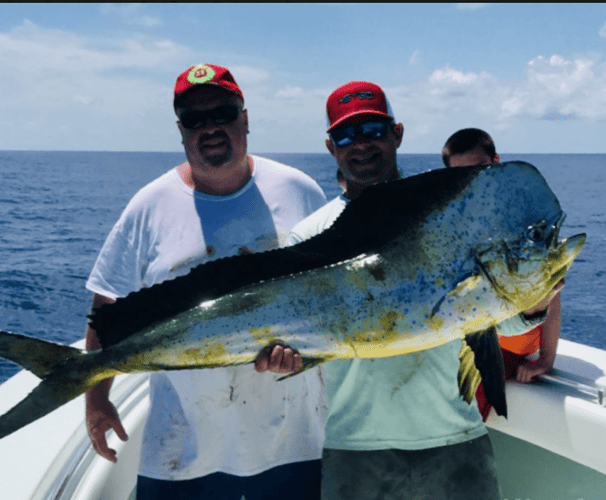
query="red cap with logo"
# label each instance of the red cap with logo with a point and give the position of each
(206, 74)
(356, 99)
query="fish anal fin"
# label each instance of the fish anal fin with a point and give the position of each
(35, 355)
(468, 377)
(308, 364)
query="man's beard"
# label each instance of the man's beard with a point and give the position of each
(219, 159)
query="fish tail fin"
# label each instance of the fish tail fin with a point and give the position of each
(487, 365)
(308, 364)
(35, 355)
(56, 364)
(50, 394)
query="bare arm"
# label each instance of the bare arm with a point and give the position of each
(527, 320)
(101, 414)
(548, 345)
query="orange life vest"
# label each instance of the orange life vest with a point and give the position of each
(524, 344)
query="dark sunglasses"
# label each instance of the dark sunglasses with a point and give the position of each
(223, 115)
(370, 130)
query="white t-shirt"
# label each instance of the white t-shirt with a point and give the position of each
(231, 419)
(408, 402)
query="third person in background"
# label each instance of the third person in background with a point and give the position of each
(475, 147)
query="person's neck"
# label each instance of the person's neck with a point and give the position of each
(219, 182)
(353, 191)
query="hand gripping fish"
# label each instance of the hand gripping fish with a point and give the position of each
(410, 265)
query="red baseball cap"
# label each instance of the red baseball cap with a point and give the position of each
(356, 99)
(205, 74)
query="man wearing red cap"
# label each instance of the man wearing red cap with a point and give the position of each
(226, 432)
(397, 427)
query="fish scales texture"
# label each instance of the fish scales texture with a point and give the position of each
(363, 227)
(410, 265)
(422, 232)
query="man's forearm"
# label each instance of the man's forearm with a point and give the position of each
(100, 392)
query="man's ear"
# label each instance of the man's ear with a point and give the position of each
(398, 132)
(245, 113)
(330, 146)
(181, 131)
(496, 159)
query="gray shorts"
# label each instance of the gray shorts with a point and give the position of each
(464, 471)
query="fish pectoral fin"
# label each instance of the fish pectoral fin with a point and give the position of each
(461, 287)
(488, 361)
(468, 377)
(308, 364)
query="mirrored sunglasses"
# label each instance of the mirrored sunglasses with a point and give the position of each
(345, 136)
(223, 115)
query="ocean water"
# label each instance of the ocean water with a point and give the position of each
(56, 208)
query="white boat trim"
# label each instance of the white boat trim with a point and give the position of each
(564, 413)
(129, 397)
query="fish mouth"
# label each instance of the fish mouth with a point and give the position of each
(509, 266)
(569, 248)
(566, 252)
(553, 233)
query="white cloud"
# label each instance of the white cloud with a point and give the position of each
(289, 92)
(87, 93)
(414, 57)
(111, 93)
(451, 76)
(47, 51)
(129, 15)
(447, 100)
(553, 89)
(114, 93)
(470, 6)
(557, 88)
(249, 75)
(602, 31)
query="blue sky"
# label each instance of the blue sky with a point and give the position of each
(100, 76)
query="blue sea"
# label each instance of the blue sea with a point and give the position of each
(56, 208)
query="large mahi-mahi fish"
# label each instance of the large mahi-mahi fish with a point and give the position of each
(410, 265)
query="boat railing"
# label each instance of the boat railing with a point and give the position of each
(584, 386)
(126, 396)
(135, 389)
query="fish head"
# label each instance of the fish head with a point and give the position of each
(524, 270)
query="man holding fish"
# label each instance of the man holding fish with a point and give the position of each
(397, 427)
(407, 266)
(226, 432)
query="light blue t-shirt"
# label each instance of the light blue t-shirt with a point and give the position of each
(407, 402)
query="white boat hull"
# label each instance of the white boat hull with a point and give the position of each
(553, 446)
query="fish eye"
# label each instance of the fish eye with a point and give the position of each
(536, 232)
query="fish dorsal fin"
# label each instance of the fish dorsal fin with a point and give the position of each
(382, 213)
